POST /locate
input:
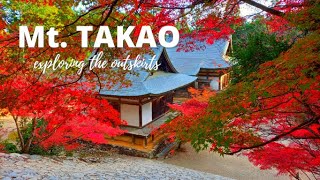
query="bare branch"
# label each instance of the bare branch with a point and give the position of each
(264, 8)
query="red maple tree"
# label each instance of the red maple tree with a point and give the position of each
(50, 116)
(286, 107)
(273, 117)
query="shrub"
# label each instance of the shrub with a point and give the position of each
(8, 147)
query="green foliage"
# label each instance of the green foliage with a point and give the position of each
(51, 16)
(252, 46)
(9, 147)
(55, 150)
(69, 153)
(34, 148)
(27, 130)
(307, 19)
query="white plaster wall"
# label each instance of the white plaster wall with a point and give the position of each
(130, 113)
(146, 113)
(214, 83)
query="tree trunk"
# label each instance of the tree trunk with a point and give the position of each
(15, 118)
(27, 144)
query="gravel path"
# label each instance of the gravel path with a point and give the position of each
(17, 166)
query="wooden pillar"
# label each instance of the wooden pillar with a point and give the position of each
(196, 85)
(220, 88)
(140, 113)
(145, 142)
(133, 139)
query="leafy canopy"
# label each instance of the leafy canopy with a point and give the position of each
(253, 45)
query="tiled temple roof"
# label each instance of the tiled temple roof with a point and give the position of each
(203, 56)
(158, 83)
(183, 66)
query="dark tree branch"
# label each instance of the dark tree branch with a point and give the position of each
(98, 78)
(82, 72)
(264, 8)
(276, 138)
(250, 2)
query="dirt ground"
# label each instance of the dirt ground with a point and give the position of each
(237, 167)
(7, 125)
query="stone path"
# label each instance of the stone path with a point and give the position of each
(17, 166)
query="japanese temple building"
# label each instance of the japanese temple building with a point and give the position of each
(146, 99)
(144, 104)
(209, 63)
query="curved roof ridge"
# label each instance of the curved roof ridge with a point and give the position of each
(208, 57)
(169, 60)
